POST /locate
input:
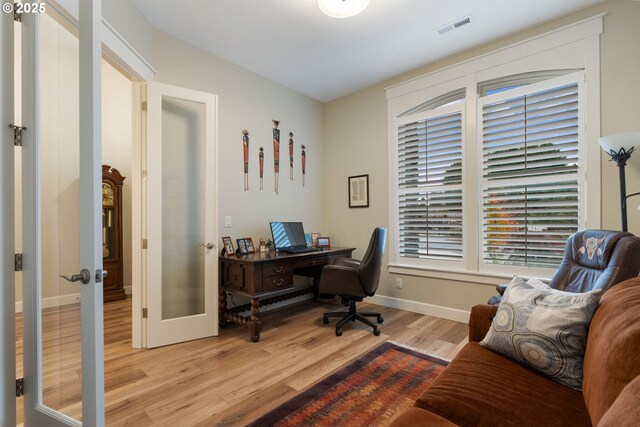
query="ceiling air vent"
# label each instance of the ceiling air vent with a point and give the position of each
(455, 25)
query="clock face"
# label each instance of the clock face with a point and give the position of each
(107, 195)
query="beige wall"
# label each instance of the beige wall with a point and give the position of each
(246, 100)
(129, 22)
(356, 143)
(117, 145)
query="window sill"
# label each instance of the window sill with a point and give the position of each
(456, 275)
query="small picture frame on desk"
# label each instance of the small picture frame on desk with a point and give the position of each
(227, 244)
(314, 239)
(324, 242)
(248, 241)
(307, 238)
(242, 247)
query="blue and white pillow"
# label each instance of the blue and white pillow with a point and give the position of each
(544, 328)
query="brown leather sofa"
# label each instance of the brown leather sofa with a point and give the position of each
(483, 388)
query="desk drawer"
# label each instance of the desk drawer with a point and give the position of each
(278, 268)
(233, 276)
(274, 283)
(311, 262)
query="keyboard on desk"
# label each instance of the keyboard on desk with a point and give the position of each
(300, 250)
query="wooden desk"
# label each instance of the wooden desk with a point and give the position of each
(267, 278)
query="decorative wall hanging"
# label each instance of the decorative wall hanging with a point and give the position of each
(291, 156)
(276, 152)
(245, 150)
(304, 159)
(359, 191)
(261, 158)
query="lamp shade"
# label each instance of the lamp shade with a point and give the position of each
(342, 8)
(615, 143)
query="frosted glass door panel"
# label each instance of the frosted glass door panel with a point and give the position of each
(183, 210)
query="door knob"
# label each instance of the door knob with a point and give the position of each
(208, 245)
(83, 277)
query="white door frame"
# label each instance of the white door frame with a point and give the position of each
(7, 225)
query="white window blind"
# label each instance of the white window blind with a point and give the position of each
(430, 185)
(530, 182)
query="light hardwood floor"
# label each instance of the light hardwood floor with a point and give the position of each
(225, 380)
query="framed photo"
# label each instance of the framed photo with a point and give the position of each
(359, 191)
(314, 239)
(242, 246)
(324, 242)
(248, 241)
(307, 238)
(227, 243)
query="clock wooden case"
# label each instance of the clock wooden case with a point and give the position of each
(112, 262)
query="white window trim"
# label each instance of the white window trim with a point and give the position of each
(575, 46)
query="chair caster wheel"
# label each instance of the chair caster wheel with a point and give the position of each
(339, 332)
(376, 332)
(325, 320)
(380, 319)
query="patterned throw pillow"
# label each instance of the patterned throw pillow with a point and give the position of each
(544, 328)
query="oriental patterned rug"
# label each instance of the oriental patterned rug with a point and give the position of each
(371, 391)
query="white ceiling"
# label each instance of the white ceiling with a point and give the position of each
(296, 45)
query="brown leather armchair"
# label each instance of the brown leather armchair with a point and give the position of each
(593, 259)
(354, 280)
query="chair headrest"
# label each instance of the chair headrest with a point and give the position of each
(593, 248)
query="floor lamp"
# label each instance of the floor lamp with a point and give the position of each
(620, 147)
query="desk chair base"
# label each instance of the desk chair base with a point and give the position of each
(352, 315)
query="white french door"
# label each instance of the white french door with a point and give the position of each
(181, 215)
(61, 212)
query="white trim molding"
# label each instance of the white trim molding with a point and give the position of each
(421, 308)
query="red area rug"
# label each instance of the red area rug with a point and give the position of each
(371, 391)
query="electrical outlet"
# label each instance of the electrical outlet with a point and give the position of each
(227, 221)
(398, 283)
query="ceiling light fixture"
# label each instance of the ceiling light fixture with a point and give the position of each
(342, 8)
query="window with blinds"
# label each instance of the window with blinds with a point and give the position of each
(429, 154)
(530, 182)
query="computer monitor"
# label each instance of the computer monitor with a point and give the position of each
(288, 236)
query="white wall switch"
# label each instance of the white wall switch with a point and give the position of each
(227, 221)
(399, 283)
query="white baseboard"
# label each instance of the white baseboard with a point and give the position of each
(421, 307)
(61, 300)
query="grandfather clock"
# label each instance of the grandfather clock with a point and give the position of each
(113, 284)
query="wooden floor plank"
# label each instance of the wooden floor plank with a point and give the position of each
(225, 380)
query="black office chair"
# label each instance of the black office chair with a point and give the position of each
(354, 280)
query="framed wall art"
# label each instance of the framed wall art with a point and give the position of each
(359, 191)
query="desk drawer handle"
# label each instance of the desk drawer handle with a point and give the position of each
(279, 282)
(278, 269)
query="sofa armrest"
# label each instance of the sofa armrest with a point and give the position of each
(501, 288)
(480, 321)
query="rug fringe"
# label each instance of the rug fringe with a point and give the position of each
(419, 350)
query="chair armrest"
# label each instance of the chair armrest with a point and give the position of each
(501, 288)
(480, 321)
(348, 262)
(340, 280)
